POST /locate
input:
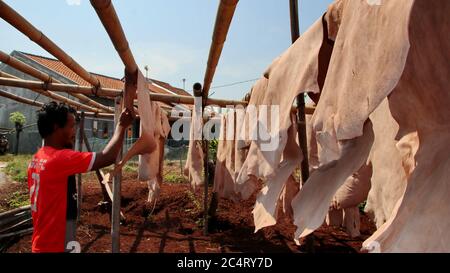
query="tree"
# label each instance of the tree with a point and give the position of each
(19, 120)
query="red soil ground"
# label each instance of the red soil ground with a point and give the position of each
(175, 225)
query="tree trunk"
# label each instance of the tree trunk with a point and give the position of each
(18, 130)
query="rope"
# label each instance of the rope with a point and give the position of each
(234, 83)
(38, 95)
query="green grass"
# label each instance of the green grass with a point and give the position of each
(19, 199)
(173, 178)
(16, 166)
(131, 167)
(191, 196)
(16, 169)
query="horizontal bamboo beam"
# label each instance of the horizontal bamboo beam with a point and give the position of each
(27, 69)
(58, 87)
(40, 104)
(224, 16)
(108, 16)
(111, 92)
(178, 99)
(55, 96)
(21, 24)
(20, 99)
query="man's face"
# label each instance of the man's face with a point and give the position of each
(69, 132)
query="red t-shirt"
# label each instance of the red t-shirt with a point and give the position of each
(48, 174)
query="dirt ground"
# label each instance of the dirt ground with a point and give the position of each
(174, 225)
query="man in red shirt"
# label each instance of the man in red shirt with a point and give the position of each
(51, 175)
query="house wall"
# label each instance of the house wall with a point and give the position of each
(30, 140)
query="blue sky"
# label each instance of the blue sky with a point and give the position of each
(172, 37)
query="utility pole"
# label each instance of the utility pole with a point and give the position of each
(146, 71)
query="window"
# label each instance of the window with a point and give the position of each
(94, 128)
(105, 130)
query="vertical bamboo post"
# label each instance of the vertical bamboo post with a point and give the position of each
(117, 181)
(80, 148)
(295, 34)
(97, 172)
(199, 93)
(181, 160)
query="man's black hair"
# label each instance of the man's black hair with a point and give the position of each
(53, 113)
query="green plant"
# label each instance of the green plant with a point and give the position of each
(19, 199)
(17, 118)
(191, 196)
(131, 167)
(17, 166)
(213, 144)
(173, 178)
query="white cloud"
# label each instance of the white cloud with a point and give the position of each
(73, 2)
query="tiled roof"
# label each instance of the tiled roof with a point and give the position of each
(60, 68)
(106, 81)
(167, 86)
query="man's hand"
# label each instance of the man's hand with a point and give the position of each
(126, 118)
(110, 152)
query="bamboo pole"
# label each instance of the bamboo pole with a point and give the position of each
(176, 99)
(199, 93)
(117, 181)
(21, 24)
(224, 16)
(108, 16)
(20, 99)
(105, 187)
(295, 34)
(17, 233)
(40, 104)
(58, 87)
(68, 88)
(25, 68)
(55, 96)
(15, 211)
(79, 185)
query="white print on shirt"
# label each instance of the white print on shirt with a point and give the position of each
(37, 165)
(34, 190)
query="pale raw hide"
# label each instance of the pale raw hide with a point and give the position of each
(388, 178)
(313, 201)
(151, 165)
(146, 143)
(420, 105)
(354, 190)
(354, 87)
(349, 196)
(194, 162)
(224, 175)
(290, 190)
(295, 71)
(369, 56)
(267, 201)
(245, 187)
(352, 221)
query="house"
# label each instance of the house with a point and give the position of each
(96, 128)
